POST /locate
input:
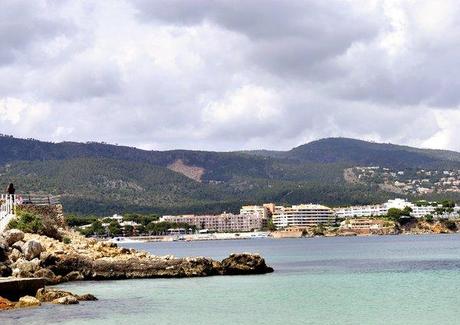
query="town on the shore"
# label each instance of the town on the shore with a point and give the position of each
(279, 221)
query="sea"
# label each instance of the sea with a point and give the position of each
(339, 280)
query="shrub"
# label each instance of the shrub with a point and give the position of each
(35, 224)
(66, 240)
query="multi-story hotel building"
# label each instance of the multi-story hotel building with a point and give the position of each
(360, 211)
(303, 215)
(225, 222)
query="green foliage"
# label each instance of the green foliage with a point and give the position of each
(429, 218)
(35, 224)
(398, 215)
(100, 179)
(66, 240)
(27, 222)
(450, 224)
(161, 228)
(114, 228)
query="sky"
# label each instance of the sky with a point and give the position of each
(231, 75)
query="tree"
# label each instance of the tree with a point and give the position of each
(114, 228)
(97, 228)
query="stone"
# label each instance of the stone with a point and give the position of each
(245, 263)
(27, 266)
(32, 249)
(5, 270)
(48, 275)
(5, 304)
(13, 235)
(15, 255)
(28, 301)
(48, 295)
(74, 276)
(18, 245)
(67, 300)
(4, 249)
(86, 297)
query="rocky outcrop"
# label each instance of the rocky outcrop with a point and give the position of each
(51, 295)
(67, 300)
(5, 304)
(88, 259)
(28, 301)
(244, 264)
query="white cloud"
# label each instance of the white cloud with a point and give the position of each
(222, 75)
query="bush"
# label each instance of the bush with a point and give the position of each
(450, 224)
(35, 224)
(66, 240)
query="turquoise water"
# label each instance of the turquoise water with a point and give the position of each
(359, 280)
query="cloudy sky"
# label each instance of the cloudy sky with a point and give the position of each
(227, 75)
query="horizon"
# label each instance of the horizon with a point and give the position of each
(175, 74)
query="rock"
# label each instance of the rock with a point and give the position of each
(13, 235)
(5, 304)
(4, 248)
(67, 300)
(65, 264)
(18, 245)
(27, 266)
(245, 263)
(74, 276)
(48, 275)
(5, 270)
(15, 255)
(32, 249)
(28, 301)
(48, 295)
(86, 297)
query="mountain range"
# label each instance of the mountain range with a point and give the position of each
(99, 178)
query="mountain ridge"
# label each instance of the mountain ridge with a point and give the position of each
(101, 178)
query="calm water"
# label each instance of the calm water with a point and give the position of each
(360, 280)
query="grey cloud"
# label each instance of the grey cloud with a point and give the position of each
(25, 23)
(290, 38)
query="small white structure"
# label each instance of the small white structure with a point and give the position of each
(6, 210)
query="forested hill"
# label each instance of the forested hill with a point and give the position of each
(102, 178)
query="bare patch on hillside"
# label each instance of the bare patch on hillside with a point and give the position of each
(192, 172)
(349, 176)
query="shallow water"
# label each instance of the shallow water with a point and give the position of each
(342, 280)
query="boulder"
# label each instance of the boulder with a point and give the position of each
(5, 270)
(27, 266)
(15, 255)
(5, 304)
(18, 245)
(4, 249)
(74, 276)
(32, 249)
(28, 301)
(67, 300)
(245, 263)
(48, 295)
(48, 275)
(13, 235)
(86, 297)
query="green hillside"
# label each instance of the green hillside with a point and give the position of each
(102, 179)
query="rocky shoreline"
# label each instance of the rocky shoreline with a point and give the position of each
(25, 255)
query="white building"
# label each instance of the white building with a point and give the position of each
(303, 215)
(221, 223)
(258, 210)
(360, 211)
